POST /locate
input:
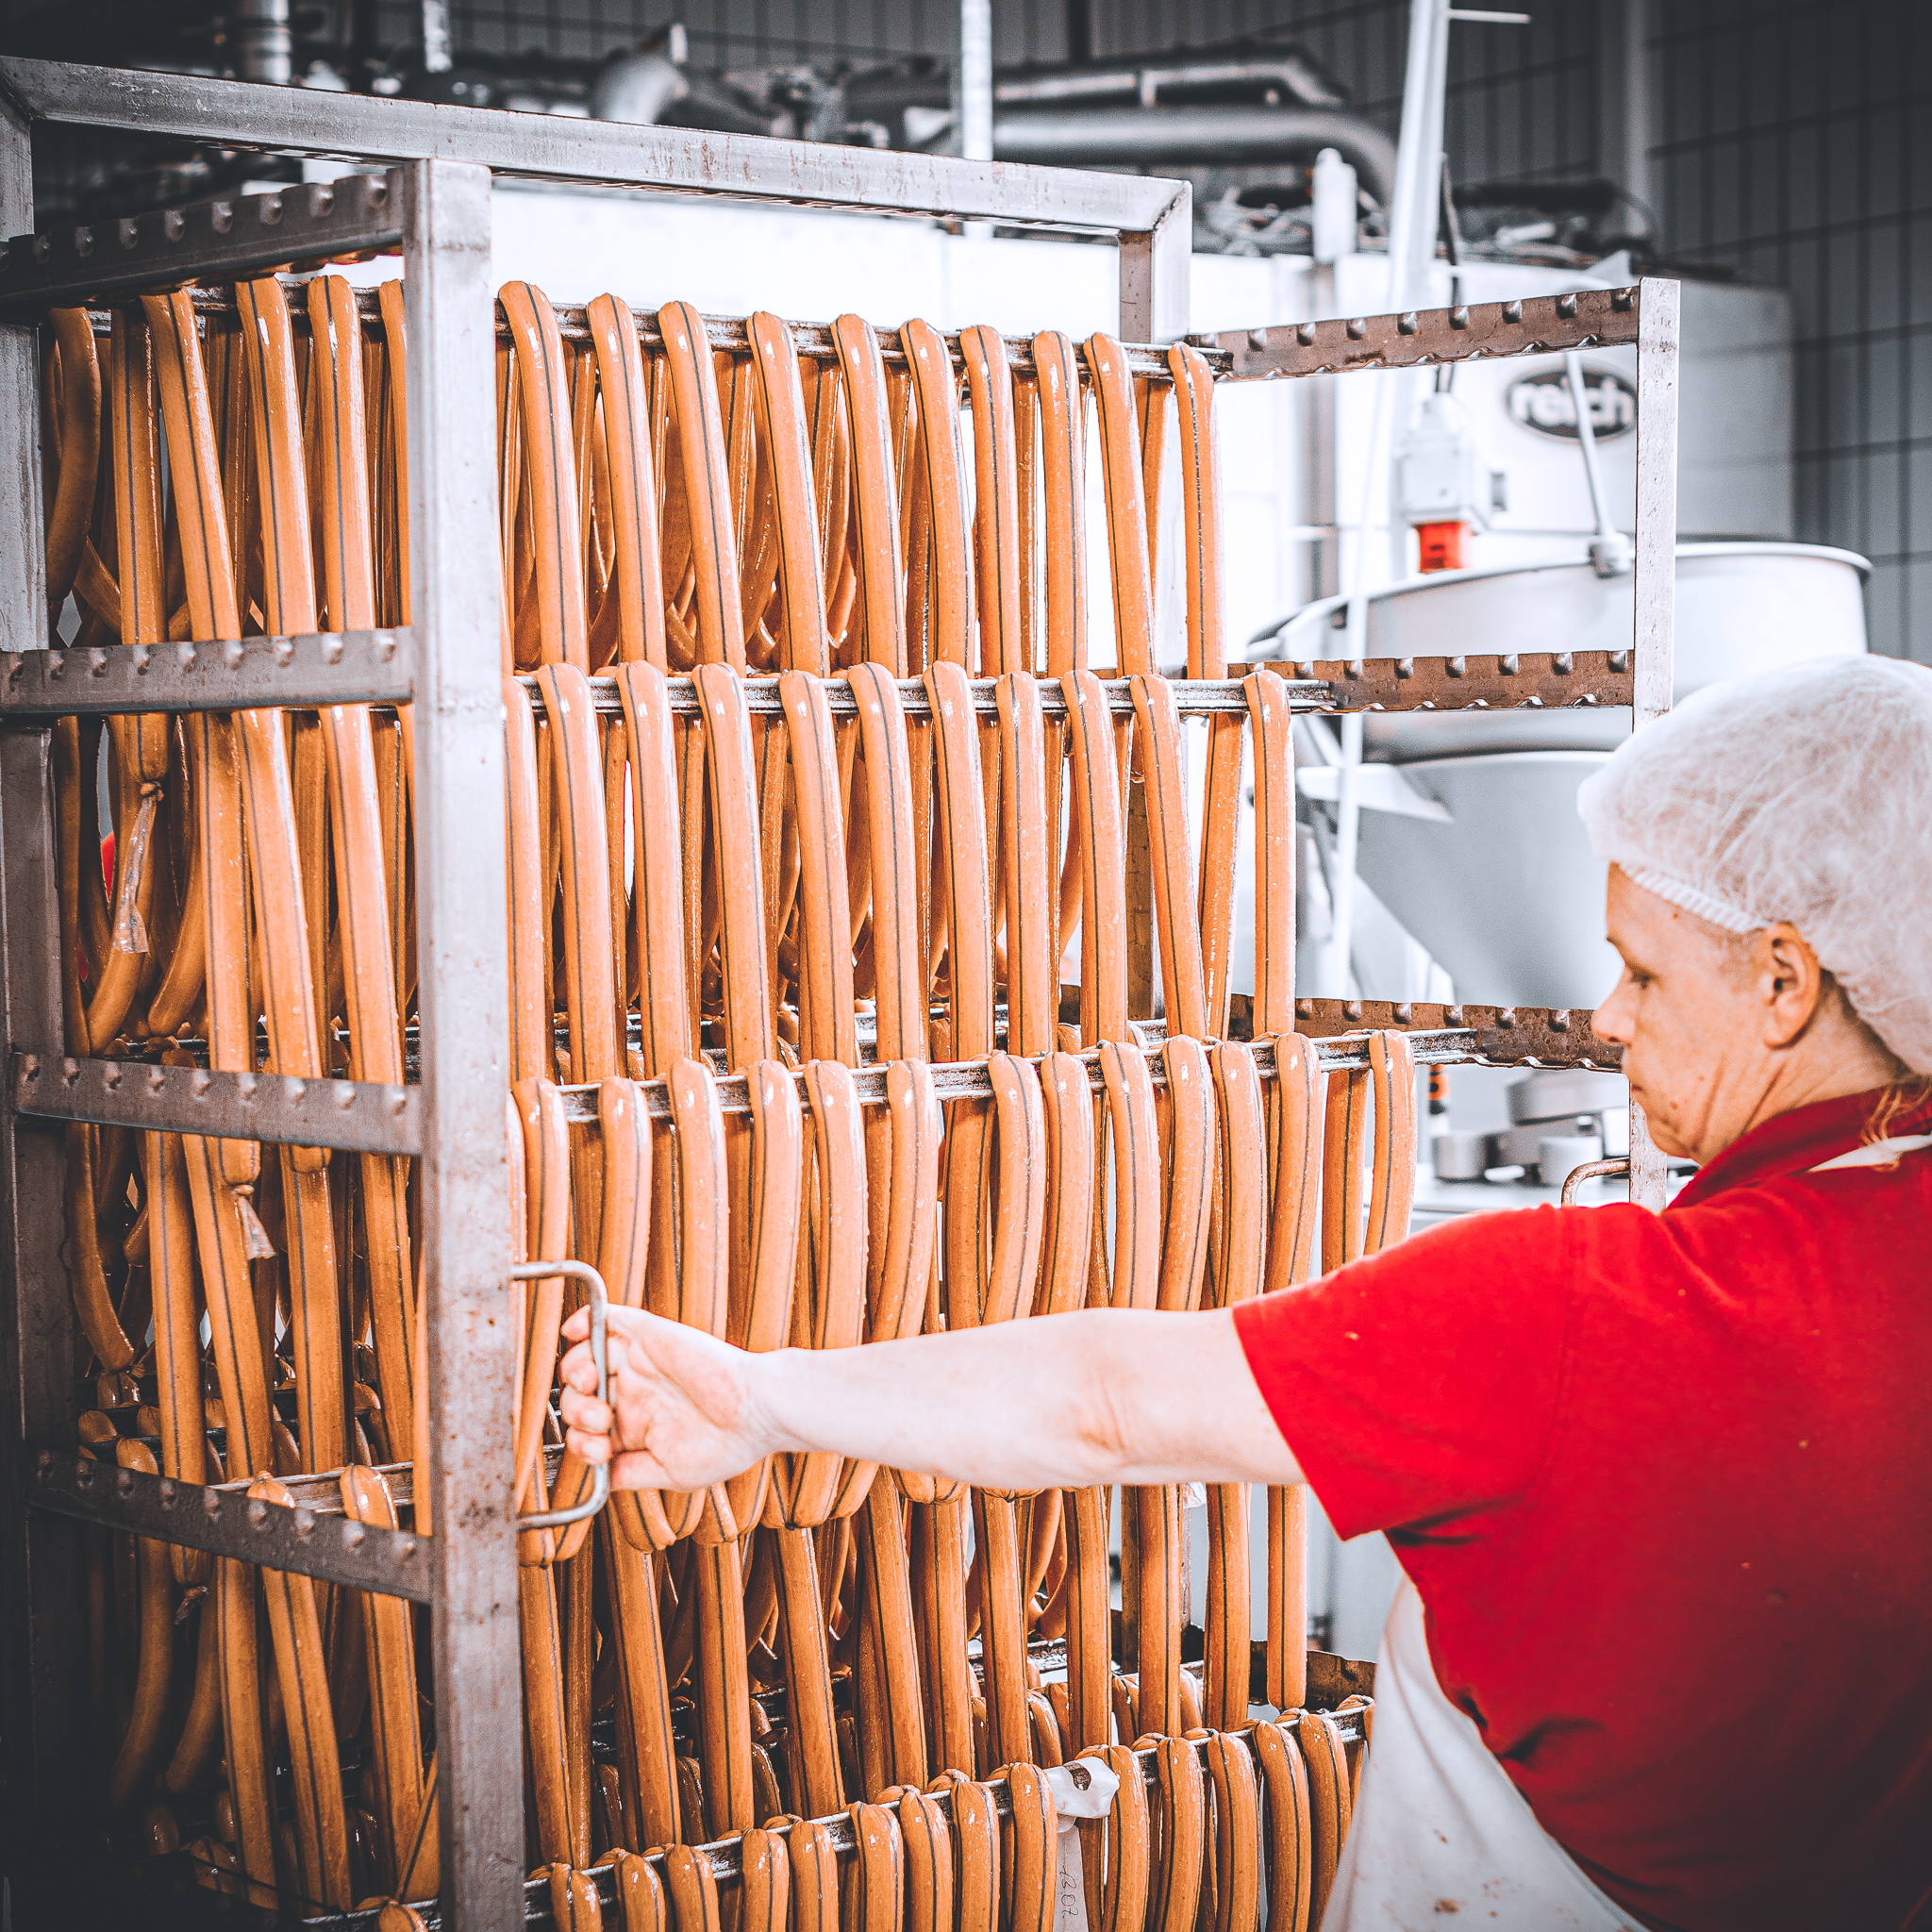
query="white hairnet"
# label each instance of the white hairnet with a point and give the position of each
(1804, 794)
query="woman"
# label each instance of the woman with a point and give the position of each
(1662, 1484)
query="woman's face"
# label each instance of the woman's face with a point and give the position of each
(1680, 1010)
(1720, 1030)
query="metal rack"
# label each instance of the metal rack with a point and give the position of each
(434, 204)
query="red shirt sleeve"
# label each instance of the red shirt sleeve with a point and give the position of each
(1418, 1386)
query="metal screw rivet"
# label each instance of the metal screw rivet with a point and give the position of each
(1407, 324)
(1566, 305)
(1357, 328)
(1512, 311)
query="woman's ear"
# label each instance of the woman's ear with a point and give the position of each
(1786, 973)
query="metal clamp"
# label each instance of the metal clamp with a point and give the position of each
(600, 1354)
(1616, 1170)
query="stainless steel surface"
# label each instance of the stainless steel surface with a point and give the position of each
(1459, 1156)
(1156, 268)
(463, 976)
(1590, 318)
(600, 1317)
(310, 1541)
(355, 667)
(1656, 595)
(1227, 135)
(43, 1661)
(359, 1115)
(1743, 606)
(1504, 891)
(1559, 1097)
(204, 240)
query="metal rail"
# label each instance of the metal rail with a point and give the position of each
(1590, 318)
(310, 1541)
(361, 1116)
(1153, 218)
(1534, 680)
(228, 236)
(812, 340)
(372, 1119)
(355, 667)
(379, 667)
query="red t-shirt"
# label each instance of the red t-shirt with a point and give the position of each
(1664, 1483)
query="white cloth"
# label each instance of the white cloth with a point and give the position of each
(1440, 1829)
(1876, 1153)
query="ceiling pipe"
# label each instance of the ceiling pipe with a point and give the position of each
(1196, 136)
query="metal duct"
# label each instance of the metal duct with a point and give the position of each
(1194, 137)
(638, 86)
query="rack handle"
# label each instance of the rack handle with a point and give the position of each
(1615, 1170)
(600, 1354)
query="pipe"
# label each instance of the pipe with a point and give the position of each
(263, 48)
(1609, 555)
(1196, 136)
(972, 80)
(1146, 81)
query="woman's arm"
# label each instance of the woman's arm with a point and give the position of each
(1102, 1396)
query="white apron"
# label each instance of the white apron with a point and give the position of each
(1440, 1828)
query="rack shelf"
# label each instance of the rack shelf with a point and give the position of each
(433, 204)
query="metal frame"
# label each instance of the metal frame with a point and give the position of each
(447, 665)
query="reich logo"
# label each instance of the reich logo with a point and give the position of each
(1544, 402)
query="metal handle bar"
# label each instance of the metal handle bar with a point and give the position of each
(1615, 1170)
(600, 1354)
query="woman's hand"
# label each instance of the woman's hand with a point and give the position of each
(684, 1414)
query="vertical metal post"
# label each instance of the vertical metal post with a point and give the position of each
(1156, 269)
(464, 975)
(1655, 590)
(43, 1686)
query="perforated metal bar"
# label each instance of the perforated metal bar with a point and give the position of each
(359, 1115)
(310, 1541)
(1584, 318)
(356, 667)
(217, 239)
